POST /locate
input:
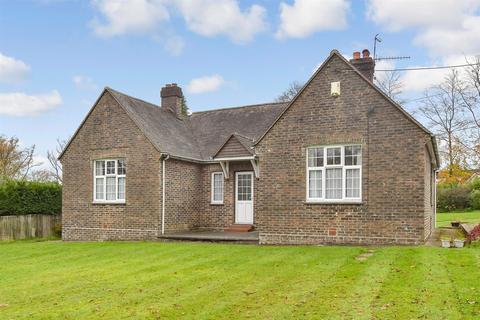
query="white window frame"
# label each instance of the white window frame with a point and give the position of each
(104, 177)
(212, 200)
(324, 168)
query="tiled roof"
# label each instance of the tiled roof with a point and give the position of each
(200, 135)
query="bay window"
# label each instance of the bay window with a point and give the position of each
(109, 180)
(334, 174)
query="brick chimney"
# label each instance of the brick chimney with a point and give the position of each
(172, 99)
(365, 64)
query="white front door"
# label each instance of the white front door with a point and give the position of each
(244, 198)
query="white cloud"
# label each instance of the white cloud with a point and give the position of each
(205, 84)
(443, 27)
(128, 16)
(223, 17)
(175, 45)
(20, 104)
(396, 15)
(84, 83)
(12, 70)
(305, 17)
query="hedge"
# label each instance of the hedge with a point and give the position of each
(30, 197)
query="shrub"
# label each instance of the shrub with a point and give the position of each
(475, 184)
(474, 234)
(475, 199)
(453, 198)
(30, 197)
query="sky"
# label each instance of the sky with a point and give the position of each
(56, 56)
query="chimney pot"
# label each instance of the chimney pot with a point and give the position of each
(365, 65)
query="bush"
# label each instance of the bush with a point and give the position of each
(27, 197)
(475, 184)
(475, 199)
(474, 234)
(453, 198)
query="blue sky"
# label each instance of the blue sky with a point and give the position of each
(56, 56)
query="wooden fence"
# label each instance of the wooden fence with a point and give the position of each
(28, 226)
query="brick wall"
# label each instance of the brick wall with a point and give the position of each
(184, 195)
(110, 133)
(393, 168)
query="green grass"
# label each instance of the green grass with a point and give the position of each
(444, 218)
(122, 280)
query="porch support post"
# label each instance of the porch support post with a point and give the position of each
(225, 168)
(256, 169)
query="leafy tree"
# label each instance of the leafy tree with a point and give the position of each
(185, 109)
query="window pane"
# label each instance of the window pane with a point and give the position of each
(334, 156)
(121, 167)
(333, 183)
(315, 157)
(315, 184)
(218, 187)
(111, 187)
(99, 168)
(99, 188)
(353, 183)
(244, 188)
(110, 167)
(121, 188)
(353, 155)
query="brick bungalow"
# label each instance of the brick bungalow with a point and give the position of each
(341, 163)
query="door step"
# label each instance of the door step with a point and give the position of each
(239, 228)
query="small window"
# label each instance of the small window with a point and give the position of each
(334, 173)
(109, 181)
(217, 188)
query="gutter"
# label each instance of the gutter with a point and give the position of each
(164, 157)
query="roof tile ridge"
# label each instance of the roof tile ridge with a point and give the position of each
(240, 107)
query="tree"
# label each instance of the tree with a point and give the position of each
(52, 156)
(391, 84)
(15, 162)
(185, 108)
(470, 94)
(290, 92)
(443, 108)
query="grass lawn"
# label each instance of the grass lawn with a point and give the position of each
(124, 280)
(444, 218)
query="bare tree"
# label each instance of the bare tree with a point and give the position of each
(443, 108)
(391, 84)
(52, 156)
(470, 94)
(290, 92)
(15, 162)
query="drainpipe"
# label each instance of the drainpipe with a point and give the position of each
(164, 157)
(435, 196)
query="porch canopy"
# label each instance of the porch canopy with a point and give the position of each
(235, 149)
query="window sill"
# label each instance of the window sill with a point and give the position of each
(335, 202)
(216, 203)
(110, 202)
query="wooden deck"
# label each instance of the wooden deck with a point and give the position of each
(214, 236)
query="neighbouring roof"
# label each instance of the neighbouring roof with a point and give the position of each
(200, 136)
